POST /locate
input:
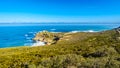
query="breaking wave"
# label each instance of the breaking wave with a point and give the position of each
(52, 29)
(83, 31)
(38, 43)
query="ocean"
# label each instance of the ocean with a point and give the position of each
(12, 35)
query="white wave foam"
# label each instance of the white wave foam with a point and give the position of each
(90, 31)
(31, 32)
(55, 32)
(83, 31)
(27, 44)
(26, 35)
(52, 29)
(74, 31)
(28, 38)
(39, 43)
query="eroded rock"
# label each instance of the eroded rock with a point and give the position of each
(48, 37)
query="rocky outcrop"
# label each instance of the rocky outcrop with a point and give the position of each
(118, 29)
(118, 32)
(47, 37)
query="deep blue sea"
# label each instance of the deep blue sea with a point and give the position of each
(12, 35)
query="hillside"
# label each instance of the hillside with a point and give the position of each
(72, 50)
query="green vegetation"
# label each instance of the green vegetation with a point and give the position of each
(73, 50)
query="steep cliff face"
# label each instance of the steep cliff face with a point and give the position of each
(48, 37)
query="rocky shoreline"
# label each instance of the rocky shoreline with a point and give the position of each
(47, 37)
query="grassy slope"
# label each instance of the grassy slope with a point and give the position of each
(87, 50)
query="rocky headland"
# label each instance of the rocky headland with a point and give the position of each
(50, 38)
(47, 37)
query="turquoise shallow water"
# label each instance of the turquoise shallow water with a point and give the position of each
(21, 34)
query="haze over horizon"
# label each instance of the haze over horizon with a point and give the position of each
(59, 11)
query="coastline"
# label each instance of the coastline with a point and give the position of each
(83, 46)
(22, 35)
(30, 35)
(35, 44)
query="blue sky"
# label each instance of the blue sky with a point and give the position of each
(59, 11)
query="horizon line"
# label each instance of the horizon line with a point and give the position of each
(59, 22)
